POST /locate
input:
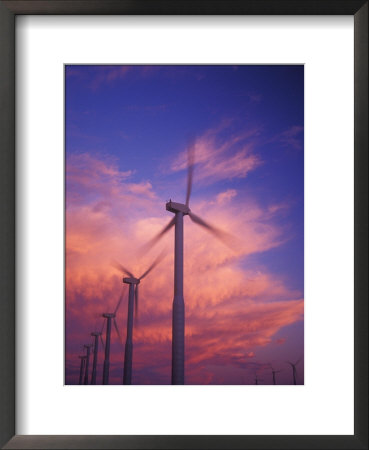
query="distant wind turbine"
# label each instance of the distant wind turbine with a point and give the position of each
(88, 348)
(109, 317)
(257, 379)
(274, 372)
(293, 365)
(96, 335)
(178, 315)
(82, 368)
(132, 300)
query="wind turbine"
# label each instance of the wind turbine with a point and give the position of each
(257, 379)
(178, 315)
(96, 335)
(132, 300)
(274, 372)
(88, 348)
(293, 365)
(109, 317)
(82, 368)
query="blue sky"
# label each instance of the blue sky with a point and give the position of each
(248, 123)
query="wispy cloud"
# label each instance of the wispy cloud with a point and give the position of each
(91, 180)
(99, 76)
(291, 138)
(220, 158)
(107, 75)
(226, 196)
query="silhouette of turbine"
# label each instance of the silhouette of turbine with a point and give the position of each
(109, 317)
(132, 299)
(274, 372)
(82, 368)
(178, 315)
(293, 365)
(257, 379)
(96, 335)
(88, 348)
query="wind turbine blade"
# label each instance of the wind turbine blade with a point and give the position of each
(190, 166)
(117, 330)
(220, 234)
(102, 342)
(157, 238)
(153, 265)
(136, 304)
(119, 302)
(122, 269)
(297, 361)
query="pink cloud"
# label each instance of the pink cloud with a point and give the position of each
(231, 309)
(218, 159)
(108, 74)
(106, 183)
(291, 137)
(142, 189)
(226, 196)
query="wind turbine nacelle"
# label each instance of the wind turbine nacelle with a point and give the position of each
(95, 333)
(109, 315)
(130, 280)
(177, 207)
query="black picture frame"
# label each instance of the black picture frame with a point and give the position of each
(8, 11)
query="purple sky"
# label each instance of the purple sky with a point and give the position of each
(127, 128)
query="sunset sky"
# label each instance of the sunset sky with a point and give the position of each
(127, 130)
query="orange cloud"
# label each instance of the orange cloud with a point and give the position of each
(231, 309)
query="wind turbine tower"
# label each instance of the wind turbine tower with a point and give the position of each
(88, 348)
(82, 368)
(109, 317)
(178, 315)
(95, 335)
(133, 288)
(257, 379)
(273, 373)
(293, 365)
(133, 283)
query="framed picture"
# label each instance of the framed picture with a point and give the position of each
(149, 119)
(237, 164)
